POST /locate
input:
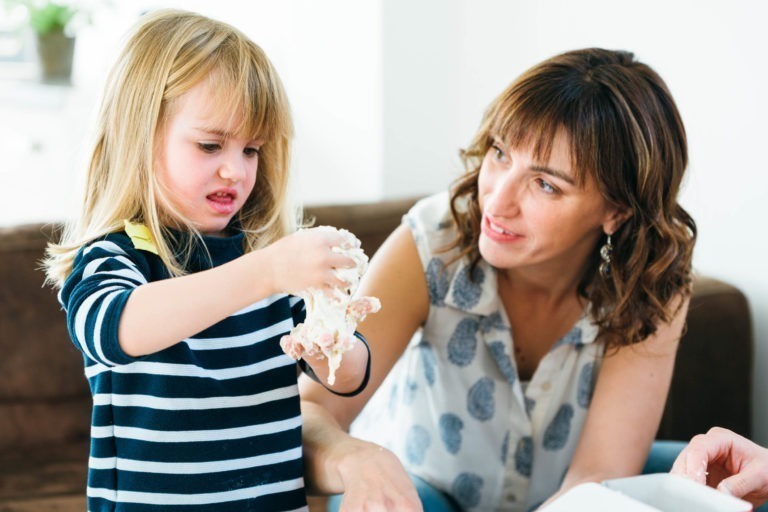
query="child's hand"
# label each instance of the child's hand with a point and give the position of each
(306, 259)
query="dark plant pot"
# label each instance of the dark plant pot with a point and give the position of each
(55, 51)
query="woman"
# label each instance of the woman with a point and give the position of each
(547, 293)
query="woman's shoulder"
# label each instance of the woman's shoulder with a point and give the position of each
(432, 227)
(436, 207)
(452, 279)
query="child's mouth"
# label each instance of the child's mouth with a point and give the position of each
(222, 202)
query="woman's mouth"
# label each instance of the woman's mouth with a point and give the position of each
(497, 232)
(498, 228)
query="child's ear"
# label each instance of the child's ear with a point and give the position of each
(615, 219)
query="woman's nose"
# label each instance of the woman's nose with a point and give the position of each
(504, 199)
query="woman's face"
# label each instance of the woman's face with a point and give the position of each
(206, 170)
(534, 213)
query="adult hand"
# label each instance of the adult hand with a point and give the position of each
(375, 481)
(727, 461)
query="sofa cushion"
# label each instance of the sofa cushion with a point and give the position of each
(44, 396)
(47, 477)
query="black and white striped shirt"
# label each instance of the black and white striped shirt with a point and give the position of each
(211, 423)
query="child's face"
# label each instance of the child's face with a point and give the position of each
(206, 170)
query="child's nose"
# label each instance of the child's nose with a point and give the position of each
(233, 169)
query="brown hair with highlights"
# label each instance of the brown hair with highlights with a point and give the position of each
(627, 134)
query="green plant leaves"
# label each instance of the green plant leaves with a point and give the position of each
(50, 17)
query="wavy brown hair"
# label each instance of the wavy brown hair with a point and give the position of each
(627, 134)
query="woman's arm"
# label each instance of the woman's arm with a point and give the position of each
(349, 376)
(626, 408)
(368, 475)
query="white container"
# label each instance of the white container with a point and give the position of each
(660, 492)
(594, 497)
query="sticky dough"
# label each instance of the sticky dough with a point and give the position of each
(332, 315)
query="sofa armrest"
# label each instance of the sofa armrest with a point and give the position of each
(712, 383)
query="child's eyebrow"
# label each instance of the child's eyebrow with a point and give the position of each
(224, 134)
(213, 131)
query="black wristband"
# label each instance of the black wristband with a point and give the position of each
(308, 370)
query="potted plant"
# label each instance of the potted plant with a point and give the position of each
(52, 22)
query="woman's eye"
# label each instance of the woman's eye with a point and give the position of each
(546, 187)
(209, 147)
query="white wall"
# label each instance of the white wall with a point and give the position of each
(384, 92)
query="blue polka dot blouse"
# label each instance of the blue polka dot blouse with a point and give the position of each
(453, 408)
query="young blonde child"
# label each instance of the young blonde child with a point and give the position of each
(176, 278)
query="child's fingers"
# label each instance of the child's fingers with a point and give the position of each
(330, 237)
(334, 282)
(337, 260)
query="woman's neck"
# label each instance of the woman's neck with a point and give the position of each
(550, 286)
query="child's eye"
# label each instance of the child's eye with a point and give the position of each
(252, 151)
(209, 147)
(546, 187)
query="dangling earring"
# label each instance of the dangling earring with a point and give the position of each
(606, 251)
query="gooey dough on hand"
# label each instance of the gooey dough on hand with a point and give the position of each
(332, 316)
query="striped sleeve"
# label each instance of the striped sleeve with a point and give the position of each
(94, 295)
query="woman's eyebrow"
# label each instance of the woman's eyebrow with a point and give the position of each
(554, 172)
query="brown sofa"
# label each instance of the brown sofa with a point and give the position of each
(45, 402)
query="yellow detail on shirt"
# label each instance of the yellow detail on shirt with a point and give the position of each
(141, 236)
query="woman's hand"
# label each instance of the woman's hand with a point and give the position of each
(374, 480)
(727, 461)
(371, 478)
(306, 259)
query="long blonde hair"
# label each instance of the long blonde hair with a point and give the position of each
(167, 53)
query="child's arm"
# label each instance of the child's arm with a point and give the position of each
(160, 314)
